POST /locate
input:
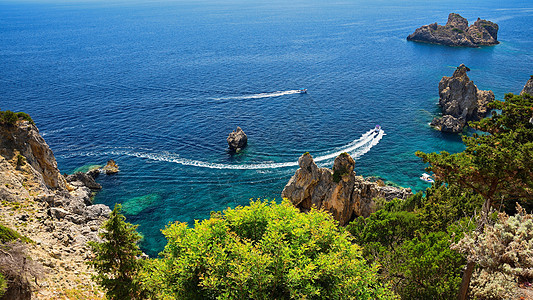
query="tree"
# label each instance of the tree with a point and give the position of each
(116, 258)
(263, 251)
(497, 165)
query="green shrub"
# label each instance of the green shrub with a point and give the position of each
(21, 160)
(10, 118)
(263, 251)
(116, 260)
(9, 235)
(25, 116)
(3, 285)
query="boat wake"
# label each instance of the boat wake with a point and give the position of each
(356, 149)
(259, 96)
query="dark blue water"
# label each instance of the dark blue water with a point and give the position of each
(158, 86)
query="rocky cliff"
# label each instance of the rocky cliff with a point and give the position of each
(528, 88)
(38, 202)
(461, 101)
(338, 190)
(456, 32)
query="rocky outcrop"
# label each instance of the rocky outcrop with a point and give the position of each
(528, 88)
(460, 101)
(58, 215)
(456, 32)
(24, 139)
(237, 140)
(339, 190)
(110, 168)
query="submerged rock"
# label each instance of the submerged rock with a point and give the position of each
(457, 33)
(110, 168)
(237, 139)
(460, 101)
(339, 190)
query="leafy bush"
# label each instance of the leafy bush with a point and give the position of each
(9, 235)
(504, 254)
(10, 118)
(263, 251)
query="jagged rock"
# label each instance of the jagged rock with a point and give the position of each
(237, 139)
(24, 139)
(448, 124)
(457, 33)
(338, 190)
(94, 172)
(528, 88)
(460, 101)
(84, 178)
(110, 168)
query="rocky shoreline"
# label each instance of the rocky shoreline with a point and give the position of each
(56, 213)
(457, 33)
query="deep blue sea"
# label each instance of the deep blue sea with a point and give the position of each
(158, 86)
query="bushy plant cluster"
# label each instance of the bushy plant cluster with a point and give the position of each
(10, 118)
(262, 251)
(504, 254)
(411, 240)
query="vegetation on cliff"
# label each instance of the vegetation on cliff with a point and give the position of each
(10, 118)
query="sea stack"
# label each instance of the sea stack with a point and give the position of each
(237, 140)
(457, 33)
(460, 101)
(338, 191)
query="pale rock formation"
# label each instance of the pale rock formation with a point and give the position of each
(528, 88)
(338, 191)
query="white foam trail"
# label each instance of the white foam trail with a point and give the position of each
(356, 149)
(262, 95)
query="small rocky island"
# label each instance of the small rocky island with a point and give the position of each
(457, 33)
(461, 101)
(237, 140)
(339, 191)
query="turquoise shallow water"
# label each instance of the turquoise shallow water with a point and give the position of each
(158, 86)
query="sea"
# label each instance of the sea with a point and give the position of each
(158, 86)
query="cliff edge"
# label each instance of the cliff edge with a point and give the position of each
(57, 215)
(457, 33)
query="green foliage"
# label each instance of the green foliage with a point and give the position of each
(458, 30)
(411, 240)
(498, 165)
(9, 235)
(115, 259)
(3, 285)
(263, 251)
(10, 118)
(21, 160)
